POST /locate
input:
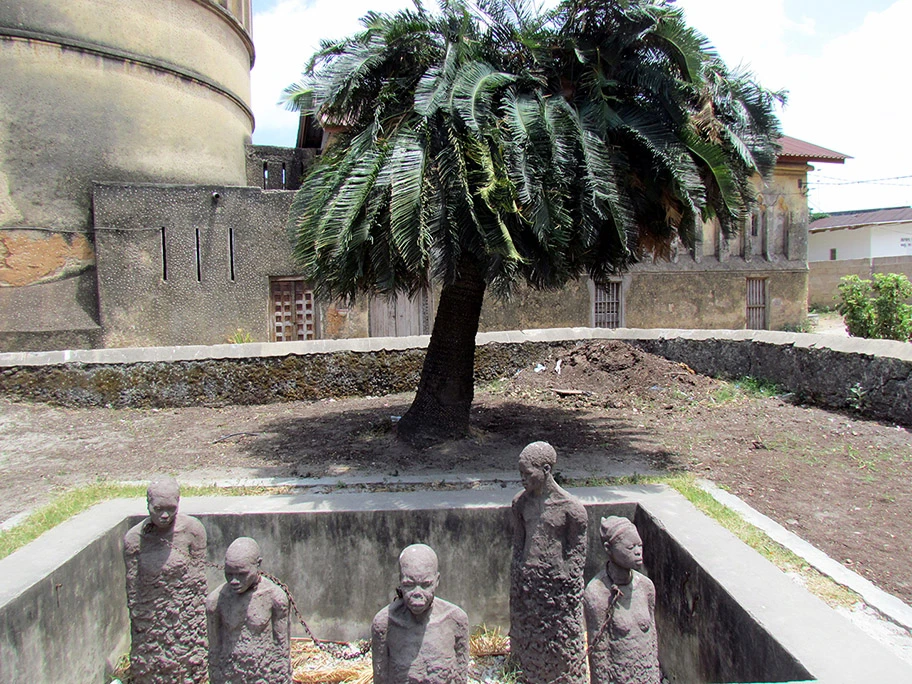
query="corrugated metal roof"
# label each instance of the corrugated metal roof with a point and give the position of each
(792, 148)
(868, 217)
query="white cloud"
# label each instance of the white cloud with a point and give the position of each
(849, 94)
(285, 37)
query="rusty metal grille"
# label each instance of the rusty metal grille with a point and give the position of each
(293, 310)
(756, 304)
(607, 305)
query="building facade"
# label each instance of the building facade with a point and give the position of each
(135, 212)
(858, 243)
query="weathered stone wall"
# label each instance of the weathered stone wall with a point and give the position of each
(823, 285)
(118, 90)
(277, 168)
(712, 297)
(151, 297)
(828, 371)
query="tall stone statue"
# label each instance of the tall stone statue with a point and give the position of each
(165, 558)
(620, 612)
(546, 575)
(249, 630)
(418, 638)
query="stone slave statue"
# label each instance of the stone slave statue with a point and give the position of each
(546, 575)
(418, 638)
(620, 612)
(166, 592)
(249, 631)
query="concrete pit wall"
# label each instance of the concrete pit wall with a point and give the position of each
(825, 370)
(338, 555)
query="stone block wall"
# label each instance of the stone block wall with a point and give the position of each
(827, 371)
(824, 276)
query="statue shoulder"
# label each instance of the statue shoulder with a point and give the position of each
(276, 593)
(644, 582)
(214, 597)
(132, 537)
(450, 611)
(188, 523)
(380, 623)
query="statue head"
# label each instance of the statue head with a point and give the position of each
(242, 564)
(622, 542)
(536, 463)
(418, 578)
(162, 498)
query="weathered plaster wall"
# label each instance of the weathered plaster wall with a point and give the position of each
(824, 276)
(819, 369)
(712, 299)
(96, 90)
(148, 297)
(30, 257)
(530, 309)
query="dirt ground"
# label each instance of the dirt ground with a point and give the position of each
(836, 480)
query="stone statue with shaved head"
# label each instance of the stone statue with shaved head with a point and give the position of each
(249, 630)
(546, 574)
(418, 638)
(165, 558)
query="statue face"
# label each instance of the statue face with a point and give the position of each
(533, 478)
(163, 509)
(241, 573)
(417, 585)
(627, 550)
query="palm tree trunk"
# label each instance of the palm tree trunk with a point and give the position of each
(442, 403)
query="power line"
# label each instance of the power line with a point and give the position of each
(880, 181)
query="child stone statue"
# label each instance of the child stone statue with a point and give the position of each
(418, 638)
(166, 591)
(620, 612)
(546, 575)
(249, 631)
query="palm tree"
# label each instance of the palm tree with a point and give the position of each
(493, 143)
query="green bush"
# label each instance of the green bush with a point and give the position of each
(878, 309)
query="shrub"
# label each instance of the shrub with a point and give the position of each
(877, 309)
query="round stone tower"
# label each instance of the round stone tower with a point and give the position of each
(139, 91)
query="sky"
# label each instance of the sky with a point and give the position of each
(844, 63)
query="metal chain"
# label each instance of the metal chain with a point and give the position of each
(334, 648)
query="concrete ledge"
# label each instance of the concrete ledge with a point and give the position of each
(886, 604)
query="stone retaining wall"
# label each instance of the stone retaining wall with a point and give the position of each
(874, 376)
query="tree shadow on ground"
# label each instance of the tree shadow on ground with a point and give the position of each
(362, 440)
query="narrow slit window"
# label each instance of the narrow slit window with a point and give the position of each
(164, 254)
(832, 254)
(265, 175)
(284, 185)
(231, 253)
(199, 260)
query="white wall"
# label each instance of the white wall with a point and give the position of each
(849, 244)
(893, 240)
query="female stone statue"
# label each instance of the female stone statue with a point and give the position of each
(619, 605)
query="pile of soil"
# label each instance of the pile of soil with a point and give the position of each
(614, 375)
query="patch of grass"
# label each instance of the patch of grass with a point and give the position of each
(686, 484)
(71, 503)
(747, 387)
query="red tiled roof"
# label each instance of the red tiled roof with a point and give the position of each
(799, 150)
(868, 217)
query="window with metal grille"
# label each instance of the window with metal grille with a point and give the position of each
(756, 304)
(294, 314)
(607, 305)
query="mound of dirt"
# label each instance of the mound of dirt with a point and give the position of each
(612, 374)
